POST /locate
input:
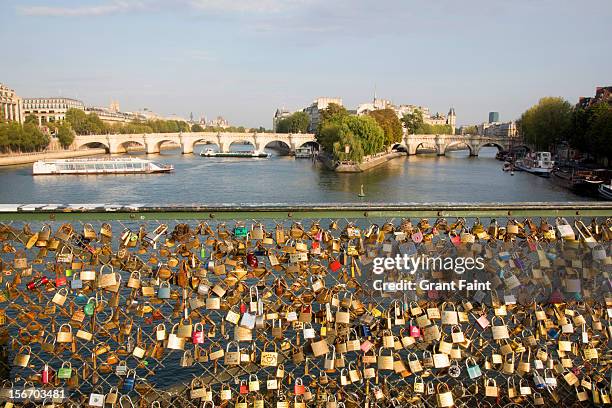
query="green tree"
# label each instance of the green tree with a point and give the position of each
(470, 130)
(296, 123)
(31, 118)
(333, 113)
(413, 121)
(599, 133)
(388, 121)
(65, 134)
(547, 123)
(78, 120)
(196, 128)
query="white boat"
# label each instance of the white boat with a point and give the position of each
(605, 191)
(538, 163)
(303, 153)
(208, 152)
(124, 165)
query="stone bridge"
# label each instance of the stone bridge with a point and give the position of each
(441, 143)
(152, 142)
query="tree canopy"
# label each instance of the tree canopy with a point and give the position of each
(591, 130)
(296, 123)
(389, 122)
(15, 137)
(413, 121)
(546, 123)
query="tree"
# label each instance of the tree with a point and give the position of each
(31, 118)
(547, 123)
(333, 113)
(78, 120)
(413, 121)
(599, 133)
(296, 123)
(388, 121)
(196, 128)
(470, 130)
(65, 134)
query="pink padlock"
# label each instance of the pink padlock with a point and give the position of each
(197, 335)
(414, 331)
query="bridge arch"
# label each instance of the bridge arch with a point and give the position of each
(94, 145)
(313, 144)
(155, 146)
(489, 144)
(122, 147)
(459, 143)
(425, 146)
(237, 141)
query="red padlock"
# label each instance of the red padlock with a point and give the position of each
(335, 265)
(37, 282)
(252, 260)
(298, 387)
(45, 375)
(60, 281)
(243, 308)
(197, 336)
(244, 388)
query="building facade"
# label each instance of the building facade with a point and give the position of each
(281, 113)
(11, 105)
(498, 129)
(316, 106)
(50, 109)
(493, 117)
(602, 94)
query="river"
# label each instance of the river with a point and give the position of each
(281, 179)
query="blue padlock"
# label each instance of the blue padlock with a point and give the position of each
(129, 382)
(365, 330)
(164, 290)
(76, 284)
(553, 334)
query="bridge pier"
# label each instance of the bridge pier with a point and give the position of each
(186, 148)
(152, 148)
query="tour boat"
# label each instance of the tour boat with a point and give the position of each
(605, 191)
(124, 165)
(538, 163)
(249, 154)
(303, 153)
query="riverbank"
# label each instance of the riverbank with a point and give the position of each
(32, 157)
(368, 163)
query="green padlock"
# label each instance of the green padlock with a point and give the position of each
(241, 232)
(202, 252)
(90, 307)
(69, 272)
(65, 372)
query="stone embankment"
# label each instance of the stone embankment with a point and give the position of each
(26, 158)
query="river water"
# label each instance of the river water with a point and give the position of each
(281, 179)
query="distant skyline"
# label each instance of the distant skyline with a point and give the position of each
(242, 59)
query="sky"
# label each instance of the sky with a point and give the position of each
(242, 59)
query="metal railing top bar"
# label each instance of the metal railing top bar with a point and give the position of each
(299, 211)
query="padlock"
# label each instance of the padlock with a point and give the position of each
(163, 292)
(65, 371)
(129, 382)
(197, 335)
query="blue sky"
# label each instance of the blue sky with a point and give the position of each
(242, 59)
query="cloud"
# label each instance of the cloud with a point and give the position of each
(112, 7)
(123, 6)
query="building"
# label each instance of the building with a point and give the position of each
(497, 129)
(50, 109)
(110, 115)
(451, 119)
(11, 105)
(218, 122)
(376, 104)
(602, 94)
(316, 106)
(493, 117)
(281, 113)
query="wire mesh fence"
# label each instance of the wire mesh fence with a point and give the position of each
(292, 313)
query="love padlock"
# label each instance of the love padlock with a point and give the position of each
(164, 290)
(252, 260)
(298, 387)
(90, 307)
(197, 336)
(244, 387)
(129, 382)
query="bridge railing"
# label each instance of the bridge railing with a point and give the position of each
(303, 267)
